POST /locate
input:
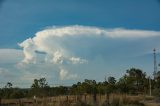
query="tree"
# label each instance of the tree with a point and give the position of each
(8, 85)
(111, 80)
(89, 86)
(35, 84)
(41, 83)
(156, 90)
(39, 87)
(136, 78)
(123, 85)
(17, 93)
(7, 90)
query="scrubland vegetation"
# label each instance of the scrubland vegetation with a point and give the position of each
(132, 89)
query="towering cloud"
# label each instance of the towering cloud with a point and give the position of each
(29, 49)
(57, 41)
(64, 45)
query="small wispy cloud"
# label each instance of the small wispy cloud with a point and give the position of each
(64, 74)
(11, 55)
(77, 60)
(5, 74)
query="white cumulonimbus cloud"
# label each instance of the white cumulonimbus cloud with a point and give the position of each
(29, 51)
(62, 45)
(53, 41)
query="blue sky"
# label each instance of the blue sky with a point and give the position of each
(98, 38)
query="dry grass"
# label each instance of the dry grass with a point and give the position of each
(152, 104)
(82, 100)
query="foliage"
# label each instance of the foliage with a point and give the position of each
(133, 82)
(39, 88)
(9, 92)
(156, 90)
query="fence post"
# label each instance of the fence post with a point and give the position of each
(19, 102)
(76, 98)
(34, 98)
(94, 95)
(67, 99)
(85, 98)
(108, 99)
(100, 98)
(0, 101)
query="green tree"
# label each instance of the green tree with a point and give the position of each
(123, 85)
(156, 84)
(111, 80)
(39, 87)
(8, 85)
(7, 90)
(134, 80)
(17, 93)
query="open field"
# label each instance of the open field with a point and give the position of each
(84, 100)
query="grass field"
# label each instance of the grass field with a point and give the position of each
(84, 100)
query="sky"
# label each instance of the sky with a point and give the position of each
(67, 41)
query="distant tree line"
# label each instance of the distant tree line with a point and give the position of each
(133, 82)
